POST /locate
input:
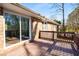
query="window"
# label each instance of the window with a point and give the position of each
(12, 34)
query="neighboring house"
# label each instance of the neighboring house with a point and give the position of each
(18, 23)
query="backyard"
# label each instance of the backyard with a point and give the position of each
(56, 35)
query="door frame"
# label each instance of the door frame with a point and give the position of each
(14, 13)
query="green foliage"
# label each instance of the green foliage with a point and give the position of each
(57, 21)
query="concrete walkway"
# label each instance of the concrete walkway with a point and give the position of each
(42, 47)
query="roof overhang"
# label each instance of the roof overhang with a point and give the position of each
(19, 9)
(15, 7)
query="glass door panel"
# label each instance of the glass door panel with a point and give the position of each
(24, 28)
(12, 32)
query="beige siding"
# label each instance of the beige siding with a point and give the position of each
(1, 32)
(38, 26)
(1, 28)
(51, 27)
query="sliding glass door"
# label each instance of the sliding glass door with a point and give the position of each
(24, 28)
(16, 28)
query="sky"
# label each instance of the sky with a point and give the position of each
(49, 10)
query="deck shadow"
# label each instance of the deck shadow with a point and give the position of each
(76, 53)
(59, 48)
(71, 41)
(42, 44)
(52, 46)
(47, 52)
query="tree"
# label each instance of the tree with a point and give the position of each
(73, 21)
(60, 9)
(57, 21)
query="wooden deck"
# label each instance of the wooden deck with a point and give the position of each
(51, 48)
(42, 47)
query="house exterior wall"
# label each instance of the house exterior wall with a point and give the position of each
(1, 28)
(51, 27)
(37, 26)
(2, 25)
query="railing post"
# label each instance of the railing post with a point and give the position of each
(73, 35)
(53, 36)
(39, 33)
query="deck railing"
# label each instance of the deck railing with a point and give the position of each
(67, 35)
(46, 35)
(51, 35)
(76, 40)
(54, 34)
